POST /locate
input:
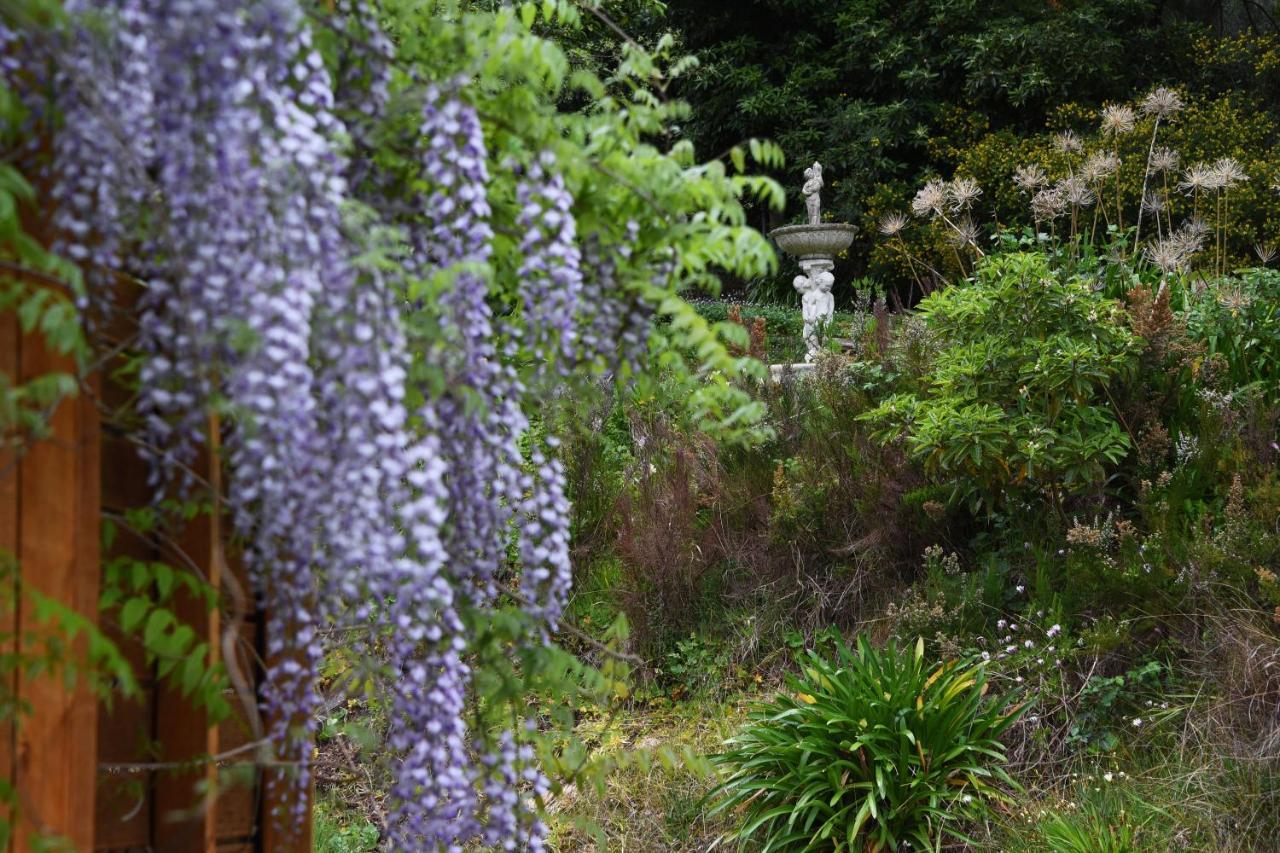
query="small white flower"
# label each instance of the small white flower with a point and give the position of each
(1137, 721)
(1028, 644)
(1021, 589)
(1000, 623)
(1108, 776)
(1053, 630)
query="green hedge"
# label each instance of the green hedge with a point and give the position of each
(783, 325)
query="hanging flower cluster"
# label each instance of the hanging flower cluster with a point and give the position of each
(200, 150)
(550, 276)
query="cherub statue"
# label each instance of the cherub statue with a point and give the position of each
(817, 306)
(812, 187)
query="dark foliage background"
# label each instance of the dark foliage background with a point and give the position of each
(886, 92)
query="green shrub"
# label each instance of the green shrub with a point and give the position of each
(866, 752)
(1239, 319)
(1018, 403)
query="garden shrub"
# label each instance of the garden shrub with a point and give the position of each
(1018, 402)
(867, 751)
(1239, 318)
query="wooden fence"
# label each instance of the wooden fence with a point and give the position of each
(125, 775)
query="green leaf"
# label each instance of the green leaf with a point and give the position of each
(132, 613)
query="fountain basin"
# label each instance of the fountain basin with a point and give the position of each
(824, 240)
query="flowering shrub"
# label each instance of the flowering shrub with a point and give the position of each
(867, 751)
(1017, 403)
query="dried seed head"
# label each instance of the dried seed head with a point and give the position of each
(1076, 192)
(1099, 166)
(1117, 119)
(1162, 103)
(1167, 255)
(1029, 178)
(962, 193)
(1048, 204)
(965, 233)
(1164, 160)
(1067, 142)
(892, 224)
(1233, 298)
(1228, 172)
(930, 200)
(1152, 202)
(1191, 236)
(1266, 252)
(1199, 177)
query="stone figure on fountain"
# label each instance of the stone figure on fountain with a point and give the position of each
(817, 305)
(811, 189)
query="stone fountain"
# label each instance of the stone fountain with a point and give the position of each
(815, 244)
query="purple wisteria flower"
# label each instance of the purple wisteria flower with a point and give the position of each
(203, 150)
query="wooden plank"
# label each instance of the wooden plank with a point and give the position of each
(59, 491)
(285, 827)
(9, 472)
(187, 803)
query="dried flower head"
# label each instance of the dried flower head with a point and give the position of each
(1167, 255)
(962, 193)
(1048, 204)
(1117, 119)
(1199, 177)
(1233, 298)
(1162, 103)
(1164, 160)
(965, 233)
(1030, 178)
(930, 200)
(893, 224)
(1076, 192)
(1152, 202)
(1191, 236)
(1266, 252)
(1228, 172)
(1101, 165)
(1067, 142)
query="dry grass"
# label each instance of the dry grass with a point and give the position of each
(652, 801)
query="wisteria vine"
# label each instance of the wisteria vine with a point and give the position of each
(203, 148)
